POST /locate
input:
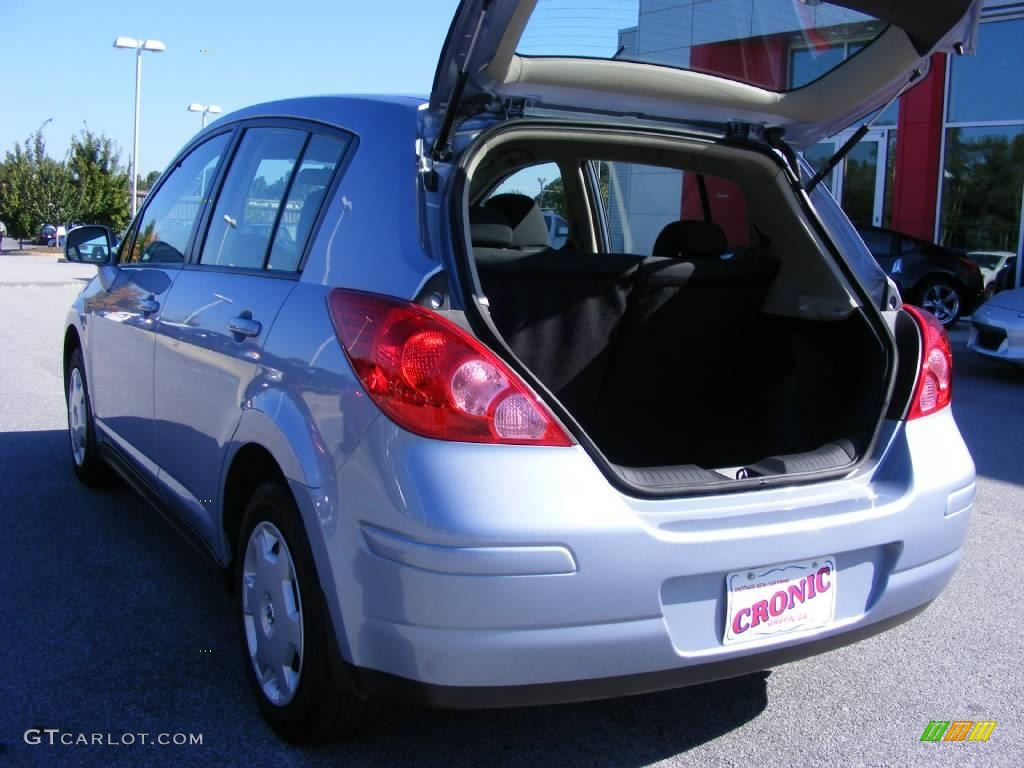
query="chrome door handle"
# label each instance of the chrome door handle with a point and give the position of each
(244, 326)
(149, 305)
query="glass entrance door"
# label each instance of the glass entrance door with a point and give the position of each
(858, 182)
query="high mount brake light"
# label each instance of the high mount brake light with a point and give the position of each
(934, 388)
(433, 378)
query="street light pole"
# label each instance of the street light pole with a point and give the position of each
(135, 133)
(139, 46)
(205, 110)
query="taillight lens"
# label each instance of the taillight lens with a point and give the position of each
(934, 388)
(432, 378)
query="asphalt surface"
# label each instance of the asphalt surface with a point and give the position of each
(109, 623)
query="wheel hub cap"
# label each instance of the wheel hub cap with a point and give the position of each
(272, 613)
(77, 416)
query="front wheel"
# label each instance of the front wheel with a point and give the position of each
(943, 299)
(89, 466)
(287, 640)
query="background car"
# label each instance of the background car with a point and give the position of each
(47, 233)
(942, 280)
(558, 228)
(998, 328)
(1006, 279)
(991, 264)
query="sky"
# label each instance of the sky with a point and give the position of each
(59, 63)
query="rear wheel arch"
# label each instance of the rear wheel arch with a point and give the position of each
(251, 466)
(938, 276)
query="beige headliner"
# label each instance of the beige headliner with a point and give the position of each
(833, 97)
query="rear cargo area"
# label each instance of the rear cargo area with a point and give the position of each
(679, 365)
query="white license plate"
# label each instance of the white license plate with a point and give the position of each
(783, 599)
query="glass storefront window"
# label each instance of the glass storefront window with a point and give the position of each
(983, 87)
(983, 178)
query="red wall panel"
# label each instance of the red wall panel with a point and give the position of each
(918, 153)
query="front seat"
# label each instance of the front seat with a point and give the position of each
(529, 230)
(691, 239)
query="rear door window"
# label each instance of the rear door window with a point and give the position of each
(305, 198)
(254, 191)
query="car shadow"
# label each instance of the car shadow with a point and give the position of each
(129, 629)
(987, 406)
(627, 731)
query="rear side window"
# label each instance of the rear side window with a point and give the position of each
(879, 243)
(247, 208)
(639, 201)
(305, 198)
(167, 221)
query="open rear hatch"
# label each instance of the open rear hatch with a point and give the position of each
(683, 371)
(809, 67)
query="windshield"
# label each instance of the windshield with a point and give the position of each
(775, 44)
(988, 260)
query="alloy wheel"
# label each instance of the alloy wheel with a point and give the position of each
(272, 613)
(942, 301)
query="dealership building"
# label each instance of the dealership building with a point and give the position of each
(944, 163)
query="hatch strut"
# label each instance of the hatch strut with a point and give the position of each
(859, 134)
(460, 84)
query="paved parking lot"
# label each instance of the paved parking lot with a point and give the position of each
(111, 623)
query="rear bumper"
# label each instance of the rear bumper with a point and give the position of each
(382, 686)
(463, 575)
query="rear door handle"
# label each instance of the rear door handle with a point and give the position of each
(149, 305)
(244, 326)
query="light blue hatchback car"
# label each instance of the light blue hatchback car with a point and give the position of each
(447, 461)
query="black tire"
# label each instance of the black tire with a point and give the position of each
(325, 705)
(92, 470)
(936, 287)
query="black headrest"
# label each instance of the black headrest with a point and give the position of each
(489, 228)
(691, 239)
(525, 218)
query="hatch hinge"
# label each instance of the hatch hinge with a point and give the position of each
(513, 108)
(775, 137)
(739, 131)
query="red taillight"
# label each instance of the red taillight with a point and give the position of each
(934, 388)
(432, 378)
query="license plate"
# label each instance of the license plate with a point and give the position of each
(776, 600)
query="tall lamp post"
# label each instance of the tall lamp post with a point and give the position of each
(205, 109)
(155, 46)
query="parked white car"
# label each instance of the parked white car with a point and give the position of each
(990, 262)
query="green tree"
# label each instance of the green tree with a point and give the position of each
(553, 197)
(149, 180)
(100, 183)
(36, 190)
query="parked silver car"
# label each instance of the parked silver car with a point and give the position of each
(997, 328)
(446, 463)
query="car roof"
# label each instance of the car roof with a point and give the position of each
(354, 112)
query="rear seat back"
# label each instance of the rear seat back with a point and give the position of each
(685, 348)
(631, 345)
(560, 311)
